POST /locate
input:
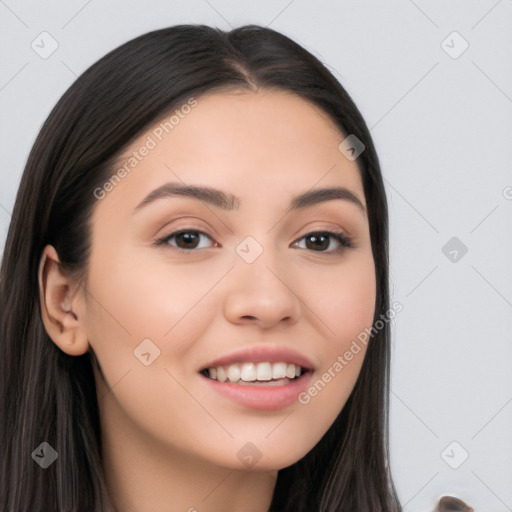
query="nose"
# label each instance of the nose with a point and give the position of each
(263, 294)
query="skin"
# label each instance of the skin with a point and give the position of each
(170, 442)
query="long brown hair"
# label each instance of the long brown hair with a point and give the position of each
(49, 396)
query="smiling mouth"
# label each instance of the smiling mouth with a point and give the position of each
(256, 374)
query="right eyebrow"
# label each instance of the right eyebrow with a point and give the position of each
(216, 197)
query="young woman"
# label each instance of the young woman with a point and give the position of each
(194, 289)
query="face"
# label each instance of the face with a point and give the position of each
(184, 292)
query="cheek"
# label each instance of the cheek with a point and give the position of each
(132, 302)
(347, 304)
(347, 309)
(138, 300)
(133, 310)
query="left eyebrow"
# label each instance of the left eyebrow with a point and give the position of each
(228, 202)
(320, 195)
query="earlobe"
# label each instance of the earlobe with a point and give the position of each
(59, 300)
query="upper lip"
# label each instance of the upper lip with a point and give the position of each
(263, 354)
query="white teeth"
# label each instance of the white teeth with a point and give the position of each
(221, 374)
(234, 373)
(248, 372)
(279, 370)
(263, 371)
(252, 372)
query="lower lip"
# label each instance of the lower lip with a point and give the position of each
(265, 398)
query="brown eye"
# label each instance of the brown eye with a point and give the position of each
(320, 241)
(185, 240)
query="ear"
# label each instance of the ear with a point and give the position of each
(61, 302)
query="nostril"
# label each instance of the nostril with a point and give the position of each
(451, 504)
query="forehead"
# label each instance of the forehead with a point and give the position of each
(257, 144)
(274, 117)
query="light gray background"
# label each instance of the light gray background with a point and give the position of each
(442, 126)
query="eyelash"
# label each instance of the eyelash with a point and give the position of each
(344, 241)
